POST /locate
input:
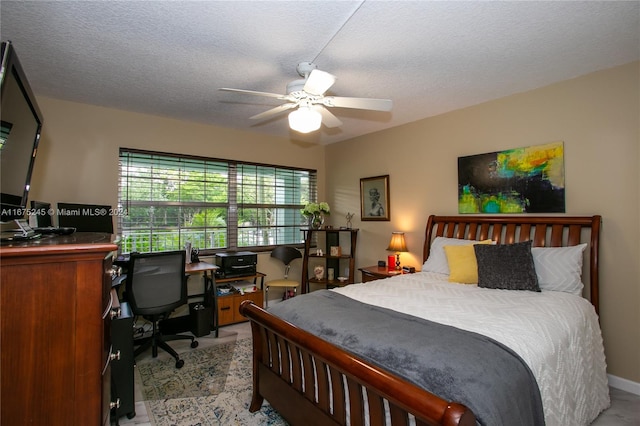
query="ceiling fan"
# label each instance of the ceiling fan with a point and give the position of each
(307, 95)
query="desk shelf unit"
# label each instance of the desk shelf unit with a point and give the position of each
(228, 306)
(347, 258)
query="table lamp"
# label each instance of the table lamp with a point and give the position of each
(398, 245)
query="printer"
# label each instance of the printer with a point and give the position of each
(236, 264)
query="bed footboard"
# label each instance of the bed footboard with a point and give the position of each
(312, 382)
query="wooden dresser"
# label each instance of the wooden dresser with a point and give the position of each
(55, 318)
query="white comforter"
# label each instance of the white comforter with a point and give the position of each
(557, 334)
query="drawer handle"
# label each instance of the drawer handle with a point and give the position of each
(116, 404)
(115, 357)
(226, 308)
(109, 309)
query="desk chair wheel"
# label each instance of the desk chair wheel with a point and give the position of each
(180, 362)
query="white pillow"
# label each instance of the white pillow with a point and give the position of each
(437, 260)
(559, 268)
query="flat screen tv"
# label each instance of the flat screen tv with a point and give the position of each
(21, 124)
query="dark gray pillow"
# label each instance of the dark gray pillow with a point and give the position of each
(506, 266)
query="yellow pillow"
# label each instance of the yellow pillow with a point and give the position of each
(463, 266)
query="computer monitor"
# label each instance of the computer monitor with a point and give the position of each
(20, 127)
(86, 217)
(42, 213)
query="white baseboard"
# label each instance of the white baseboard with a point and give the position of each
(624, 384)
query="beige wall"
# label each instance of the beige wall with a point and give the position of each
(597, 117)
(78, 156)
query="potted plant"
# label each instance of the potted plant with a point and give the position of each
(315, 212)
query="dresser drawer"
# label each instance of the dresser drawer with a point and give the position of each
(225, 310)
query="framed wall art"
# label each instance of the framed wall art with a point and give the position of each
(374, 198)
(521, 180)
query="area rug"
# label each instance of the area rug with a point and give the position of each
(213, 388)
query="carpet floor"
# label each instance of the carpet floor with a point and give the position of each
(213, 388)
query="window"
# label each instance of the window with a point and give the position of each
(169, 199)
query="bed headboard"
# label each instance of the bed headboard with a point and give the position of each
(544, 231)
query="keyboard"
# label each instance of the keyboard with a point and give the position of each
(58, 230)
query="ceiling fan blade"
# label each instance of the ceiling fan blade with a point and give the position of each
(360, 103)
(318, 82)
(273, 111)
(328, 119)
(253, 92)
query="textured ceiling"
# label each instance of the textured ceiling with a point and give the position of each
(169, 58)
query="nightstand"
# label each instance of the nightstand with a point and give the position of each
(371, 273)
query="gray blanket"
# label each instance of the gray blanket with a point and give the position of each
(457, 365)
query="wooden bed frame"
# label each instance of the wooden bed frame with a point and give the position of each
(312, 382)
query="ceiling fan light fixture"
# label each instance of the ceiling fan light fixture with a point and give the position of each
(308, 96)
(305, 120)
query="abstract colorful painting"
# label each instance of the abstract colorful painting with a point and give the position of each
(521, 180)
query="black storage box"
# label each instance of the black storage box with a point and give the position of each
(236, 264)
(200, 318)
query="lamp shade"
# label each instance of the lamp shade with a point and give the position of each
(305, 120)
(397, 243)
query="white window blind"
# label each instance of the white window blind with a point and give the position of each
(170, 199)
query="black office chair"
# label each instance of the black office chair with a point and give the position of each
(286, 255)
(156, 285)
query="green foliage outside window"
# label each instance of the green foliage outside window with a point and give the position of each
(214, 204)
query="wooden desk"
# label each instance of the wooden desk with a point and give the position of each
(204, 267)
(208, 271)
